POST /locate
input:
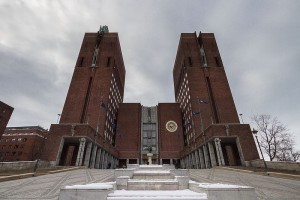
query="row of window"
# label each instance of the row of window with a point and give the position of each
(112, 107)
(12, 146)
(13, 153)
(14, 140)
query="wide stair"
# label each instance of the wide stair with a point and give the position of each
(156, 194)
(152, 182)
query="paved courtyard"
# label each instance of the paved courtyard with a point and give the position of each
(266, 187)
(47, 186)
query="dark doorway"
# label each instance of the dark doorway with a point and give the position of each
(166, 161)
(122, 163)
(69, 154)
(231, 154)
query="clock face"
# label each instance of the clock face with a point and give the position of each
(171, 126)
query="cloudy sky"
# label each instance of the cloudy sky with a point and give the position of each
(258, 40)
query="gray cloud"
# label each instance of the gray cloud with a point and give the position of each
(258, 41)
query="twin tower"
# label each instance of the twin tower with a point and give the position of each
(200, 130)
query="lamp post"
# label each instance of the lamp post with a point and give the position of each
(241, 115)
(262, 155)
(58, 117)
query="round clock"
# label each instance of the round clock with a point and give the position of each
(171, 126)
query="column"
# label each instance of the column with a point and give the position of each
(219, 152)
(212, 154)
(238, 144)
(201, 158)
(61, 146)
(102, 159)
(88, 154)
(197, 159)
(192, 160)
(93, 157)
(98, 158)
(206, 157)
(80, 151)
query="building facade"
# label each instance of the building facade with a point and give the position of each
(22, 143)
(200, 130)
(5, 114)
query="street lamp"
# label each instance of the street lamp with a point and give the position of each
(58, 117)
(262, 155)
(241, 115)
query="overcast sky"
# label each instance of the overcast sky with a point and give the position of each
(259, 42)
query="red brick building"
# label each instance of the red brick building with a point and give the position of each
(22, 143)
(5, 114)
(200, 130)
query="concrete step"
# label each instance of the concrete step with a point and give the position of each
(154, 184)
(157, 195)
(158, 174)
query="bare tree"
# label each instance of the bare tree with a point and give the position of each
(285, 147)
(271, 134)
(296, 156)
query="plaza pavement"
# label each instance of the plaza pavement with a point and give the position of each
(266, 187)
(48, 186)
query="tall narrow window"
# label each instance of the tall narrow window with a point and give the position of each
(108, 62)
(217, 61)
(81, 61)
(94, 60)
(85, 105)
(212, 100)
(190, 62)
(203, 58)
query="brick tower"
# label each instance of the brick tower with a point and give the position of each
(87, 126)
(212, 130)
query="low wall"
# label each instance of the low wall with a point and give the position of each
(292, 166)
(21, 165)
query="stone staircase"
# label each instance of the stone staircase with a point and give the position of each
(159, 182)
(154, 194)
(153, 182)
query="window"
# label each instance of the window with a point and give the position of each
(217, 61)
(190, 61)
(81, 61)
(108, 62)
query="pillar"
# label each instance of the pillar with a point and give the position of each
(80, 151)
(93, 157)
(219, 152)
(61, 146)
(102, 162)
(197, 159)
(201, 158)
(212, 154)
(98, 158)
(88, 154)
(206, 157)
(238, 144)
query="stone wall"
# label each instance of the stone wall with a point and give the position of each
(21, 165)
(293, 166)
